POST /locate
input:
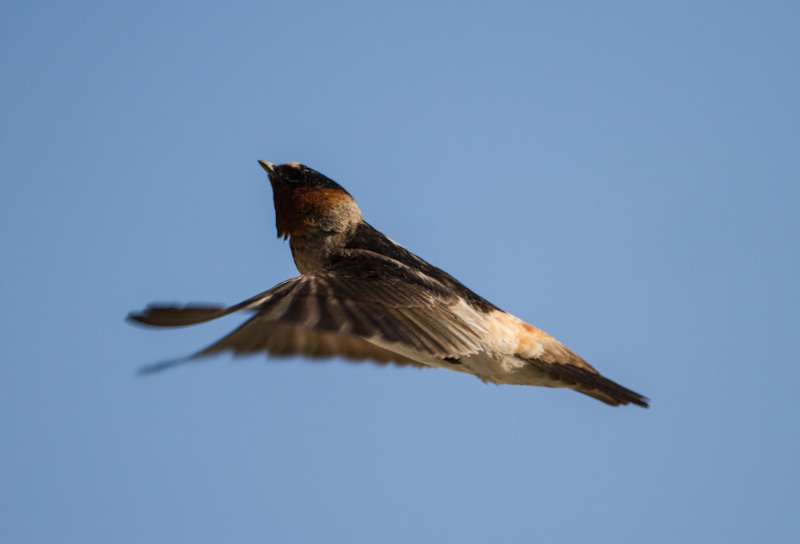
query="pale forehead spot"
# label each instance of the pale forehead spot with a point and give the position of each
(293, 165)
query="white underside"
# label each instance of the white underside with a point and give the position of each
(501, 370)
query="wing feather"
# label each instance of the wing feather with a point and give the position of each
(258, 335)
(588, 381)
(341, 310)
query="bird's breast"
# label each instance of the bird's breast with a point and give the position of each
(313, 252)
(303, 210)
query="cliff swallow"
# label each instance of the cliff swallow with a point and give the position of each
(362, 296)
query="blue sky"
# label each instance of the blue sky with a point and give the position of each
(625, 176)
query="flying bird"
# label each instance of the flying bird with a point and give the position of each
(362, 296)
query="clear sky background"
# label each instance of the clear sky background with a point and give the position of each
(623, 175)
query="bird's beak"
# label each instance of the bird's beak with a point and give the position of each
(268, 166)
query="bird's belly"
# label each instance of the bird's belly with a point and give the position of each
(482, 365)
(506, 369)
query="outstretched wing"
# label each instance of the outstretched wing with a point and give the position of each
(589, 382)
(564, 368)
(344, 309)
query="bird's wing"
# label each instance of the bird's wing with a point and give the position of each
(589, 382)
(281, 338)
(562, 365)
(341, 310)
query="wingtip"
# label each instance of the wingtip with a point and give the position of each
(633, 398)
(644, 402)
(154, 368)
(173, 315)
(143, 317)
(626, 397)
(136, 317)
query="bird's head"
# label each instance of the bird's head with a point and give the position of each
(307, 201)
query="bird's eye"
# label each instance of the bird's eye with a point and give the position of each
(292, 174)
